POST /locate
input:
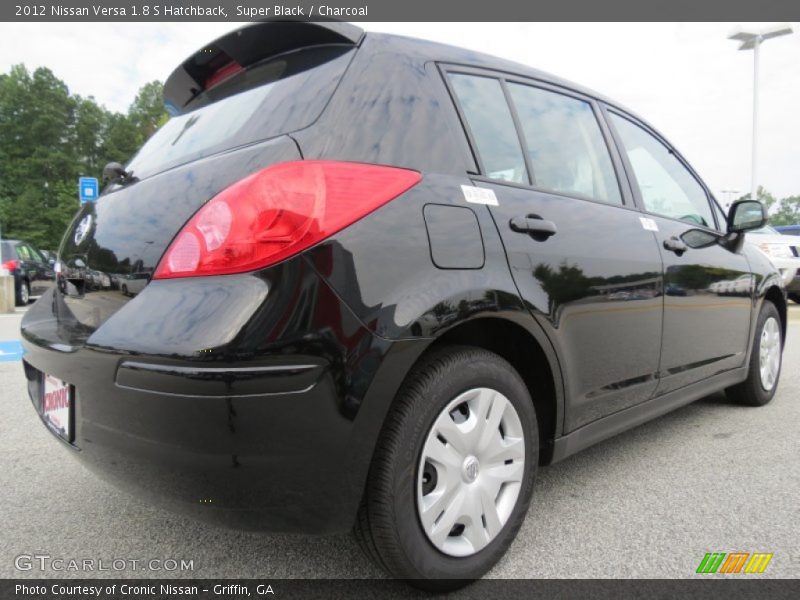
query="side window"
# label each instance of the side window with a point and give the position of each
(35, 254)
(489, 119)
(565, 144)
(667, 187)
(23, 252)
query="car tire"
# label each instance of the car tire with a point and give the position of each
(794, 298)
(455, 382)
(23, 293)
(761, 383)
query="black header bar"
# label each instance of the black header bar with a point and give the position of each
(399, 10)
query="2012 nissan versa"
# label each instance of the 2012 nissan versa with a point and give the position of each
(379, 282)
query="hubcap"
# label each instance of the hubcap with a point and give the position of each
(23, 292)
(769, 353)
(470, 471)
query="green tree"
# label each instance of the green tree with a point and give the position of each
(147, 112)
(49, 137)
(91, 127)
(788, 212)
(120, 140)
(37, 117)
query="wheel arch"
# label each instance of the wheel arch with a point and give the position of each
(777, 296)
(529, 356)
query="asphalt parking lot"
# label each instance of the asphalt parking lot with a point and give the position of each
(710, 477)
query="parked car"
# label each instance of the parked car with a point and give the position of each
(134, 283)
(788, 229)
(382, 294)
(33, 274)
(741, 286)
(784, 252)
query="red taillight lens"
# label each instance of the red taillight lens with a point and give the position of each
(278, 212)
(10, 265)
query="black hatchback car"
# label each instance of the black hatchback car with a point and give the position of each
(385, 280)
(33, 273)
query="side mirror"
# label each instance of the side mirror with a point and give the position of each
(745, 215)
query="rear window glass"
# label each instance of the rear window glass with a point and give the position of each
(276, 96)
(35, 255)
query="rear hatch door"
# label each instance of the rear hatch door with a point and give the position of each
(233, 104)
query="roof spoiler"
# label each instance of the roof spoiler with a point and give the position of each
(246, 46)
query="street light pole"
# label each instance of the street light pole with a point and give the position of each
(754, 151)
(752, 40)
(730, 195)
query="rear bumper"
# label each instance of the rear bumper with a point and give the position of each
(271, 427)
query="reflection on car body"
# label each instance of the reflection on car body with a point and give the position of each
(132, 284)
(363, 281)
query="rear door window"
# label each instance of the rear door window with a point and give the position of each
(667, 187)
(489, 120)
(565, 145)
(35, 254)
(279, 95)
(23, 252)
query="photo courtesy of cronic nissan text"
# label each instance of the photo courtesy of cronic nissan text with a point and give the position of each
(369, 299)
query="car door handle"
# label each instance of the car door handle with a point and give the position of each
(533, 225)
(675, 245)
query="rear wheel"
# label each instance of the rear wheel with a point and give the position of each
(23, 293)
(765, 360)
(453, 472)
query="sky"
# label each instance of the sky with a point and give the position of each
(687, 79)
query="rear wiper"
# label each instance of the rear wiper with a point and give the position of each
(114, 172)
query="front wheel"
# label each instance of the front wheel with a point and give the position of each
(452, 476)
(765, 360)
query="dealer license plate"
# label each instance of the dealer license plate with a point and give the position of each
(56, 406)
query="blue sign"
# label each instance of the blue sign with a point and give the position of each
(10, 350)
(88, 189)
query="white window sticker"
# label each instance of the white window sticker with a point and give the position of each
(648, 224)
(478, 195)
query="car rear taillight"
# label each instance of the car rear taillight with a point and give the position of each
(278, 212)
(10, 265)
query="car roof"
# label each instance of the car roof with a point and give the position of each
(273, 36)
(456, 55)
